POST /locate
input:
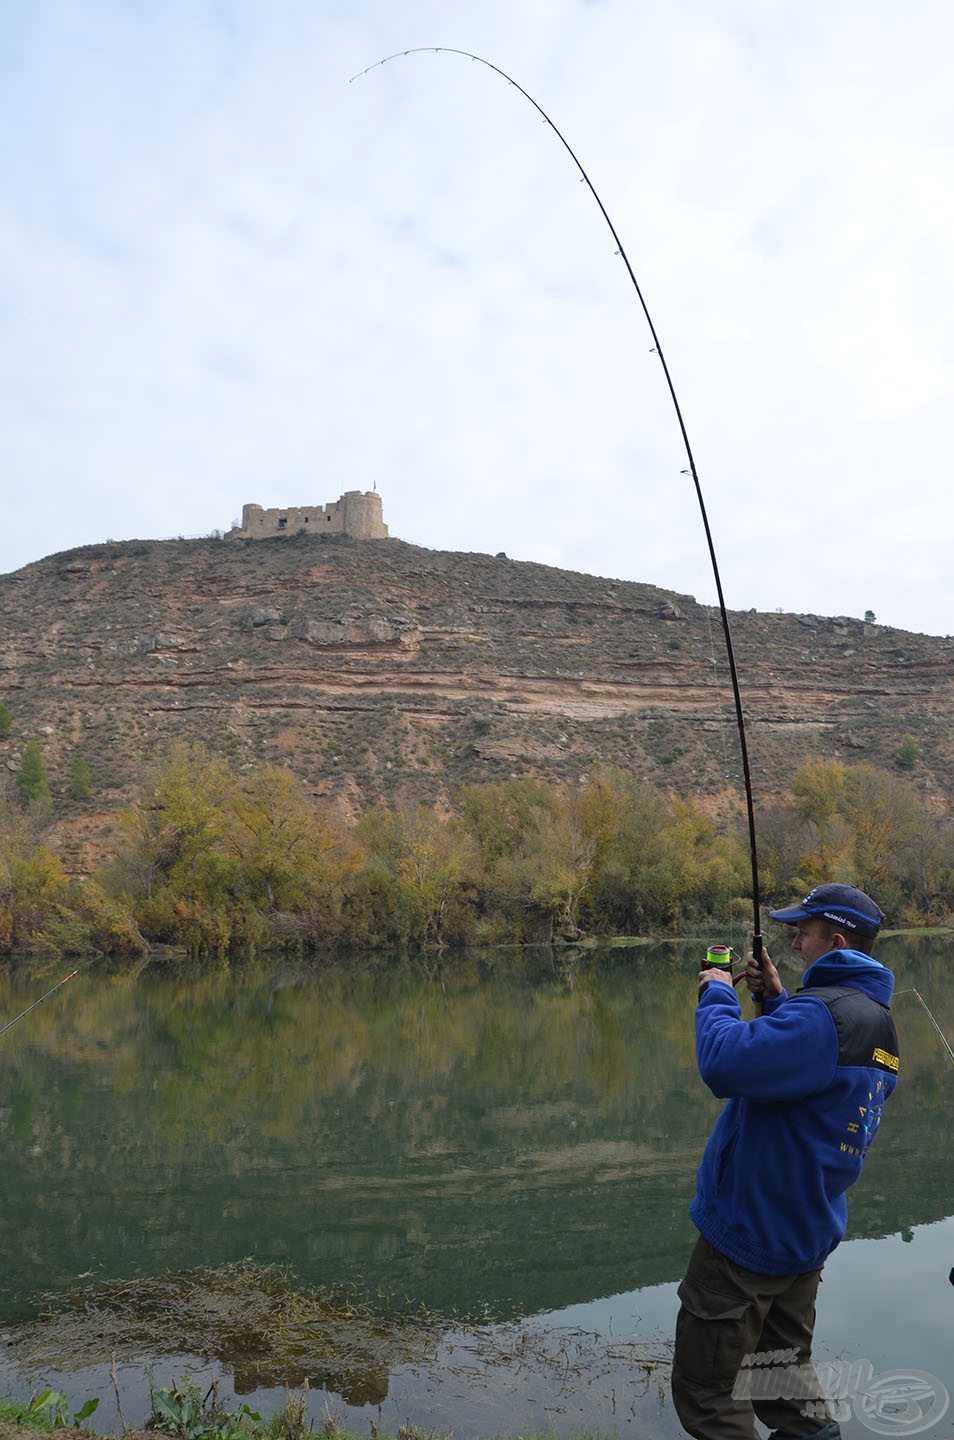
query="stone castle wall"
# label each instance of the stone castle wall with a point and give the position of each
(358, 513)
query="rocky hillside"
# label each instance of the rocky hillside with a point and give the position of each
(377, 669)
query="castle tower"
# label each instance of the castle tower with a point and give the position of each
(357, 513)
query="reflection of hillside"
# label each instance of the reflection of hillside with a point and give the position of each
(494, 1142)
(264, 1335)
(358, 1385)
(267, 1332)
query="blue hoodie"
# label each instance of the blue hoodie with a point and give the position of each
(794, 1134)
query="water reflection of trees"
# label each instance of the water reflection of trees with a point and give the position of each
(516, 1136)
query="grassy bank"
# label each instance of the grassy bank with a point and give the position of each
(183, 1413)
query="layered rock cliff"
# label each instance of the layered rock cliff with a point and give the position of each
(379, 670)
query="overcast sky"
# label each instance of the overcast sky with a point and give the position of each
(228, 273)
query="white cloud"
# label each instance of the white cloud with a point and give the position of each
(230, 275)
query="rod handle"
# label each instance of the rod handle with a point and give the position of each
(757, 1006)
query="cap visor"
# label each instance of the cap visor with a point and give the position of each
(789, 917)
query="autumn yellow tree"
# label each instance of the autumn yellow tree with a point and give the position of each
(572, 844)
(860, 824)
(428, 856)
(818, 790)
(194, 792)
(33, 882)
(279, 839)
(884, 813)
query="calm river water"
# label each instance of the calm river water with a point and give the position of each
(516, 1138)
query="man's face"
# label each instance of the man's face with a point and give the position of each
(812, 939)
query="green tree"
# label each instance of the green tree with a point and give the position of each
(81, 787)
(31, 776)
(908, 753)
(6, 720)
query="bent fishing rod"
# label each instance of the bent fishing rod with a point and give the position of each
(692, 471)
(912, 990)
(17, 1018)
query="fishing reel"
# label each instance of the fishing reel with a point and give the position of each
(722, 957)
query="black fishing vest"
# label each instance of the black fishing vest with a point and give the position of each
(865, 1029)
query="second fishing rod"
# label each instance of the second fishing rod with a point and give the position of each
(692, 471)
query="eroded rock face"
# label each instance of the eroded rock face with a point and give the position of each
(262, 615)
(151, 643)
(349, 631)
(380, 671)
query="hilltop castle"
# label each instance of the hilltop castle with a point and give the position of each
(358, 514)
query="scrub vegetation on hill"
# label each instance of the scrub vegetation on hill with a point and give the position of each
(213, 859)
(383, 673)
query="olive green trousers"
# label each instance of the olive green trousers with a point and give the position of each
(743, 1349)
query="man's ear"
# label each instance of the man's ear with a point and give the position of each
(839, 941)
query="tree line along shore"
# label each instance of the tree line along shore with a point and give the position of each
(216, 861)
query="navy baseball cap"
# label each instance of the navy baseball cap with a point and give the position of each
(841, 904)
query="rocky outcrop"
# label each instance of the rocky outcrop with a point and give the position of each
(352, 632)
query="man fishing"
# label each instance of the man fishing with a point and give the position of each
(805, 1084)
